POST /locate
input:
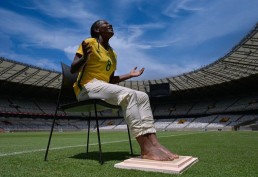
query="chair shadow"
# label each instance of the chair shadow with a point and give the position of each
(106, 156)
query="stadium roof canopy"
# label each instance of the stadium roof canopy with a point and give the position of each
(241, 62)
(20, 73)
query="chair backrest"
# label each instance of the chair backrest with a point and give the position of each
(67, 94)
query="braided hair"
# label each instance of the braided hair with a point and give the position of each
(93, 27)
(93, 32)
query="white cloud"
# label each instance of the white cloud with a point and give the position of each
(70, 51)
(35, 32)
(130, 56)
(136, 35)
(76, 11)
(175, 7)
(210, 20)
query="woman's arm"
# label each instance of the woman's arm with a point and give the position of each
(133, 73)
(80, 60)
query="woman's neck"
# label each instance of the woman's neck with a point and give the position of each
(104, 42)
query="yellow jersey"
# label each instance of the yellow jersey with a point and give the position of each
(101, 64)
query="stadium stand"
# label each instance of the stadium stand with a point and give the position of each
(121, 126)
(221, 96)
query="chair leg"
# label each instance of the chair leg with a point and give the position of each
(97, 124)
(130, 142)
(50, 137)
(88, 134)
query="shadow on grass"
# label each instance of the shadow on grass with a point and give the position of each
(106, 156)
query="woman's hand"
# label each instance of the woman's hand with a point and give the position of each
(135, 73)
(80, 60)
(86, 48)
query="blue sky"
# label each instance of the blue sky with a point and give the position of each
(167, 37)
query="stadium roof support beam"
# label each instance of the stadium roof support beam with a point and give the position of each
(7, 69)
(52, 80)
(217, 75)
(186, 82)
(17, 74)
(240, 71)
(29, 76)
(180, 82)
(171, 83)
(252, 46)
(194, 80)
(57, 86)
(41, 79)
(240, 64)
(204, 79)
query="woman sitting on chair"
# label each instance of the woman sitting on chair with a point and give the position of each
(96, 63)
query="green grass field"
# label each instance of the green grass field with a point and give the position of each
(225, 154)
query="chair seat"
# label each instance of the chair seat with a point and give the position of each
(88, 106)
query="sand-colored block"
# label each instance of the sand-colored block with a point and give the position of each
(176, 166)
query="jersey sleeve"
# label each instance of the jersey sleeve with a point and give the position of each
(79, 50)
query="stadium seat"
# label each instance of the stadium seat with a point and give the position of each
(68, 103)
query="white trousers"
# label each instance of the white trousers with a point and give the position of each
(135, 104)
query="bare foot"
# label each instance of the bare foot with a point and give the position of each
(149, 151)
(154, 153)
(152, 137)
(168, 152)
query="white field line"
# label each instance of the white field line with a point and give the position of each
(93, 144)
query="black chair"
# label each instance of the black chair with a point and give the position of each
(68, 103)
